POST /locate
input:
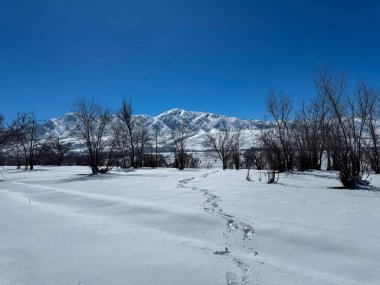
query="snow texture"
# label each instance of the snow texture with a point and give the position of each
(59, 225)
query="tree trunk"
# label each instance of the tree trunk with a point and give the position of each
(133, 156)
(94, 171)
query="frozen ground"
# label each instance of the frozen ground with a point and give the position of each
(60, 226)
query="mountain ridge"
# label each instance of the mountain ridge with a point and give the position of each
(198, 123)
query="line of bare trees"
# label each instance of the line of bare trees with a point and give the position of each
(25, 143)
(336, 127)
(106, 140)
(123, 141)
(3, 137)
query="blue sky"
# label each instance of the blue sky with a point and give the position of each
(217, 56)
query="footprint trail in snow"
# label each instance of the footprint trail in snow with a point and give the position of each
(237, 234)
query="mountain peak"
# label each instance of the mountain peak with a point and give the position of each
(174, 112)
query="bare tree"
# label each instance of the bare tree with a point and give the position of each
(222, 142)
(2, 129)
(4, 135)
(93, 127)
(157, 132)
(142, 140)
(236, 152)
(280, 108)
(59, 149)
(27, 133)
(349, 115)
(128, 125)
(309, 133)
(191, 161)
(180, 136)
(372, 143)
(272, 154)
(253, 157)
(123, 157)
(272, 150)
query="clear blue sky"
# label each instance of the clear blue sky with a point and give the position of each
(217, 56)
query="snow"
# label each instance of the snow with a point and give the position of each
(198, 123)
(162, 226)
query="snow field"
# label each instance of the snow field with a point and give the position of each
(162, 226)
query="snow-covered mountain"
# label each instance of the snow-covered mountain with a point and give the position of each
(199, 124)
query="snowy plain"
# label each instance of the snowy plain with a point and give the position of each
(163, 226)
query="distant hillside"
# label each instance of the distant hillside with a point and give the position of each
(199, 124)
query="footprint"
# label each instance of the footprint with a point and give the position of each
(241, 241)
(222, 252)
(246, 270)
(247, 233)
(231, 224)
(232, 278)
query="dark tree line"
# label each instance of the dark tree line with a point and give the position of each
(4, 136)
(124, 141)
(106, 140)
(24, 143)
(337, 127)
